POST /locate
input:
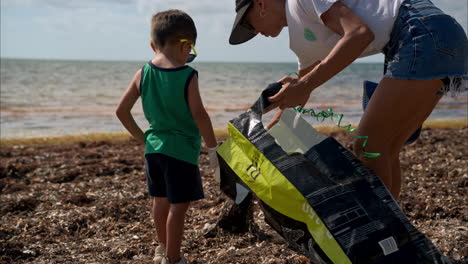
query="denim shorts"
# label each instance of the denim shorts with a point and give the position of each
(426, 44)
(175, 179)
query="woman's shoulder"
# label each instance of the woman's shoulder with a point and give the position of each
(304, 9)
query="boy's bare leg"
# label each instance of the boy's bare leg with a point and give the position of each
(175, 230)
(397, 109)
(160, 211)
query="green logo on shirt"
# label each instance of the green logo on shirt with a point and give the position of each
(309, 35)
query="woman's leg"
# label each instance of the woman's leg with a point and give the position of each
(397, 145)
(175, 230)
(396, 178)
(396, 110)
(159, 211)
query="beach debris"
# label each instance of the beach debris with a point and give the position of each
(102, 215)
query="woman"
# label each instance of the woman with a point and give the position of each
(425, 56)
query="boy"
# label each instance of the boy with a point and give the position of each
(176, 115)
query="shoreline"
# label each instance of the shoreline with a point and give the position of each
(220, 134)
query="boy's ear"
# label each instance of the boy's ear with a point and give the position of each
(153, 47)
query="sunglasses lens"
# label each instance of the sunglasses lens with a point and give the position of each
(191, 57)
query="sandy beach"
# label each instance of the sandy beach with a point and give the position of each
(86, 202)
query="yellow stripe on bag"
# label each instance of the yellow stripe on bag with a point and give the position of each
(273, 188)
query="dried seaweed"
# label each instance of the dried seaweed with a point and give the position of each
(87, 203)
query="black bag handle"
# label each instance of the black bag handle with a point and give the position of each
(262, 102)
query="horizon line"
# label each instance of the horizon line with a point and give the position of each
(136, 60)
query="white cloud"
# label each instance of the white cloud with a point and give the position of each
(89, 20)
(199, 7)
(66, 4)
(213, 19)
(125, 23)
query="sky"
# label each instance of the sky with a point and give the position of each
(119, 30)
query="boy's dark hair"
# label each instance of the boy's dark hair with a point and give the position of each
(172, 25)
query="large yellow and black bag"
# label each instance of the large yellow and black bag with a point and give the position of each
(316, 194)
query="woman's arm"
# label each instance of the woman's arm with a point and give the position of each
(301, 73)
(199, 114)
(123, 111)
(356, 36)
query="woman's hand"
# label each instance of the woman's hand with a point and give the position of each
(293, 93)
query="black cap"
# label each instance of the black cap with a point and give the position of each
(241, 34)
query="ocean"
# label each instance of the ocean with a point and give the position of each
(42, 98)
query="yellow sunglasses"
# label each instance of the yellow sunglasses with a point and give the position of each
(191, 57)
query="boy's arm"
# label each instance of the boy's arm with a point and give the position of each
(125, 106)
(199, 113)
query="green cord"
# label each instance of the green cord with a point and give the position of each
(367, 154)
(329, 114)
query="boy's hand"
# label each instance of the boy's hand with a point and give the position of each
(213, 157)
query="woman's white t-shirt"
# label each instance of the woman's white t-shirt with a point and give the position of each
(311, 40)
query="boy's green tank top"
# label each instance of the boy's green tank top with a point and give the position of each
(172, 130)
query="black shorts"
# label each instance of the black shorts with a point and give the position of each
(175, 179)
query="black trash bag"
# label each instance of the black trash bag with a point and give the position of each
(321, 200)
